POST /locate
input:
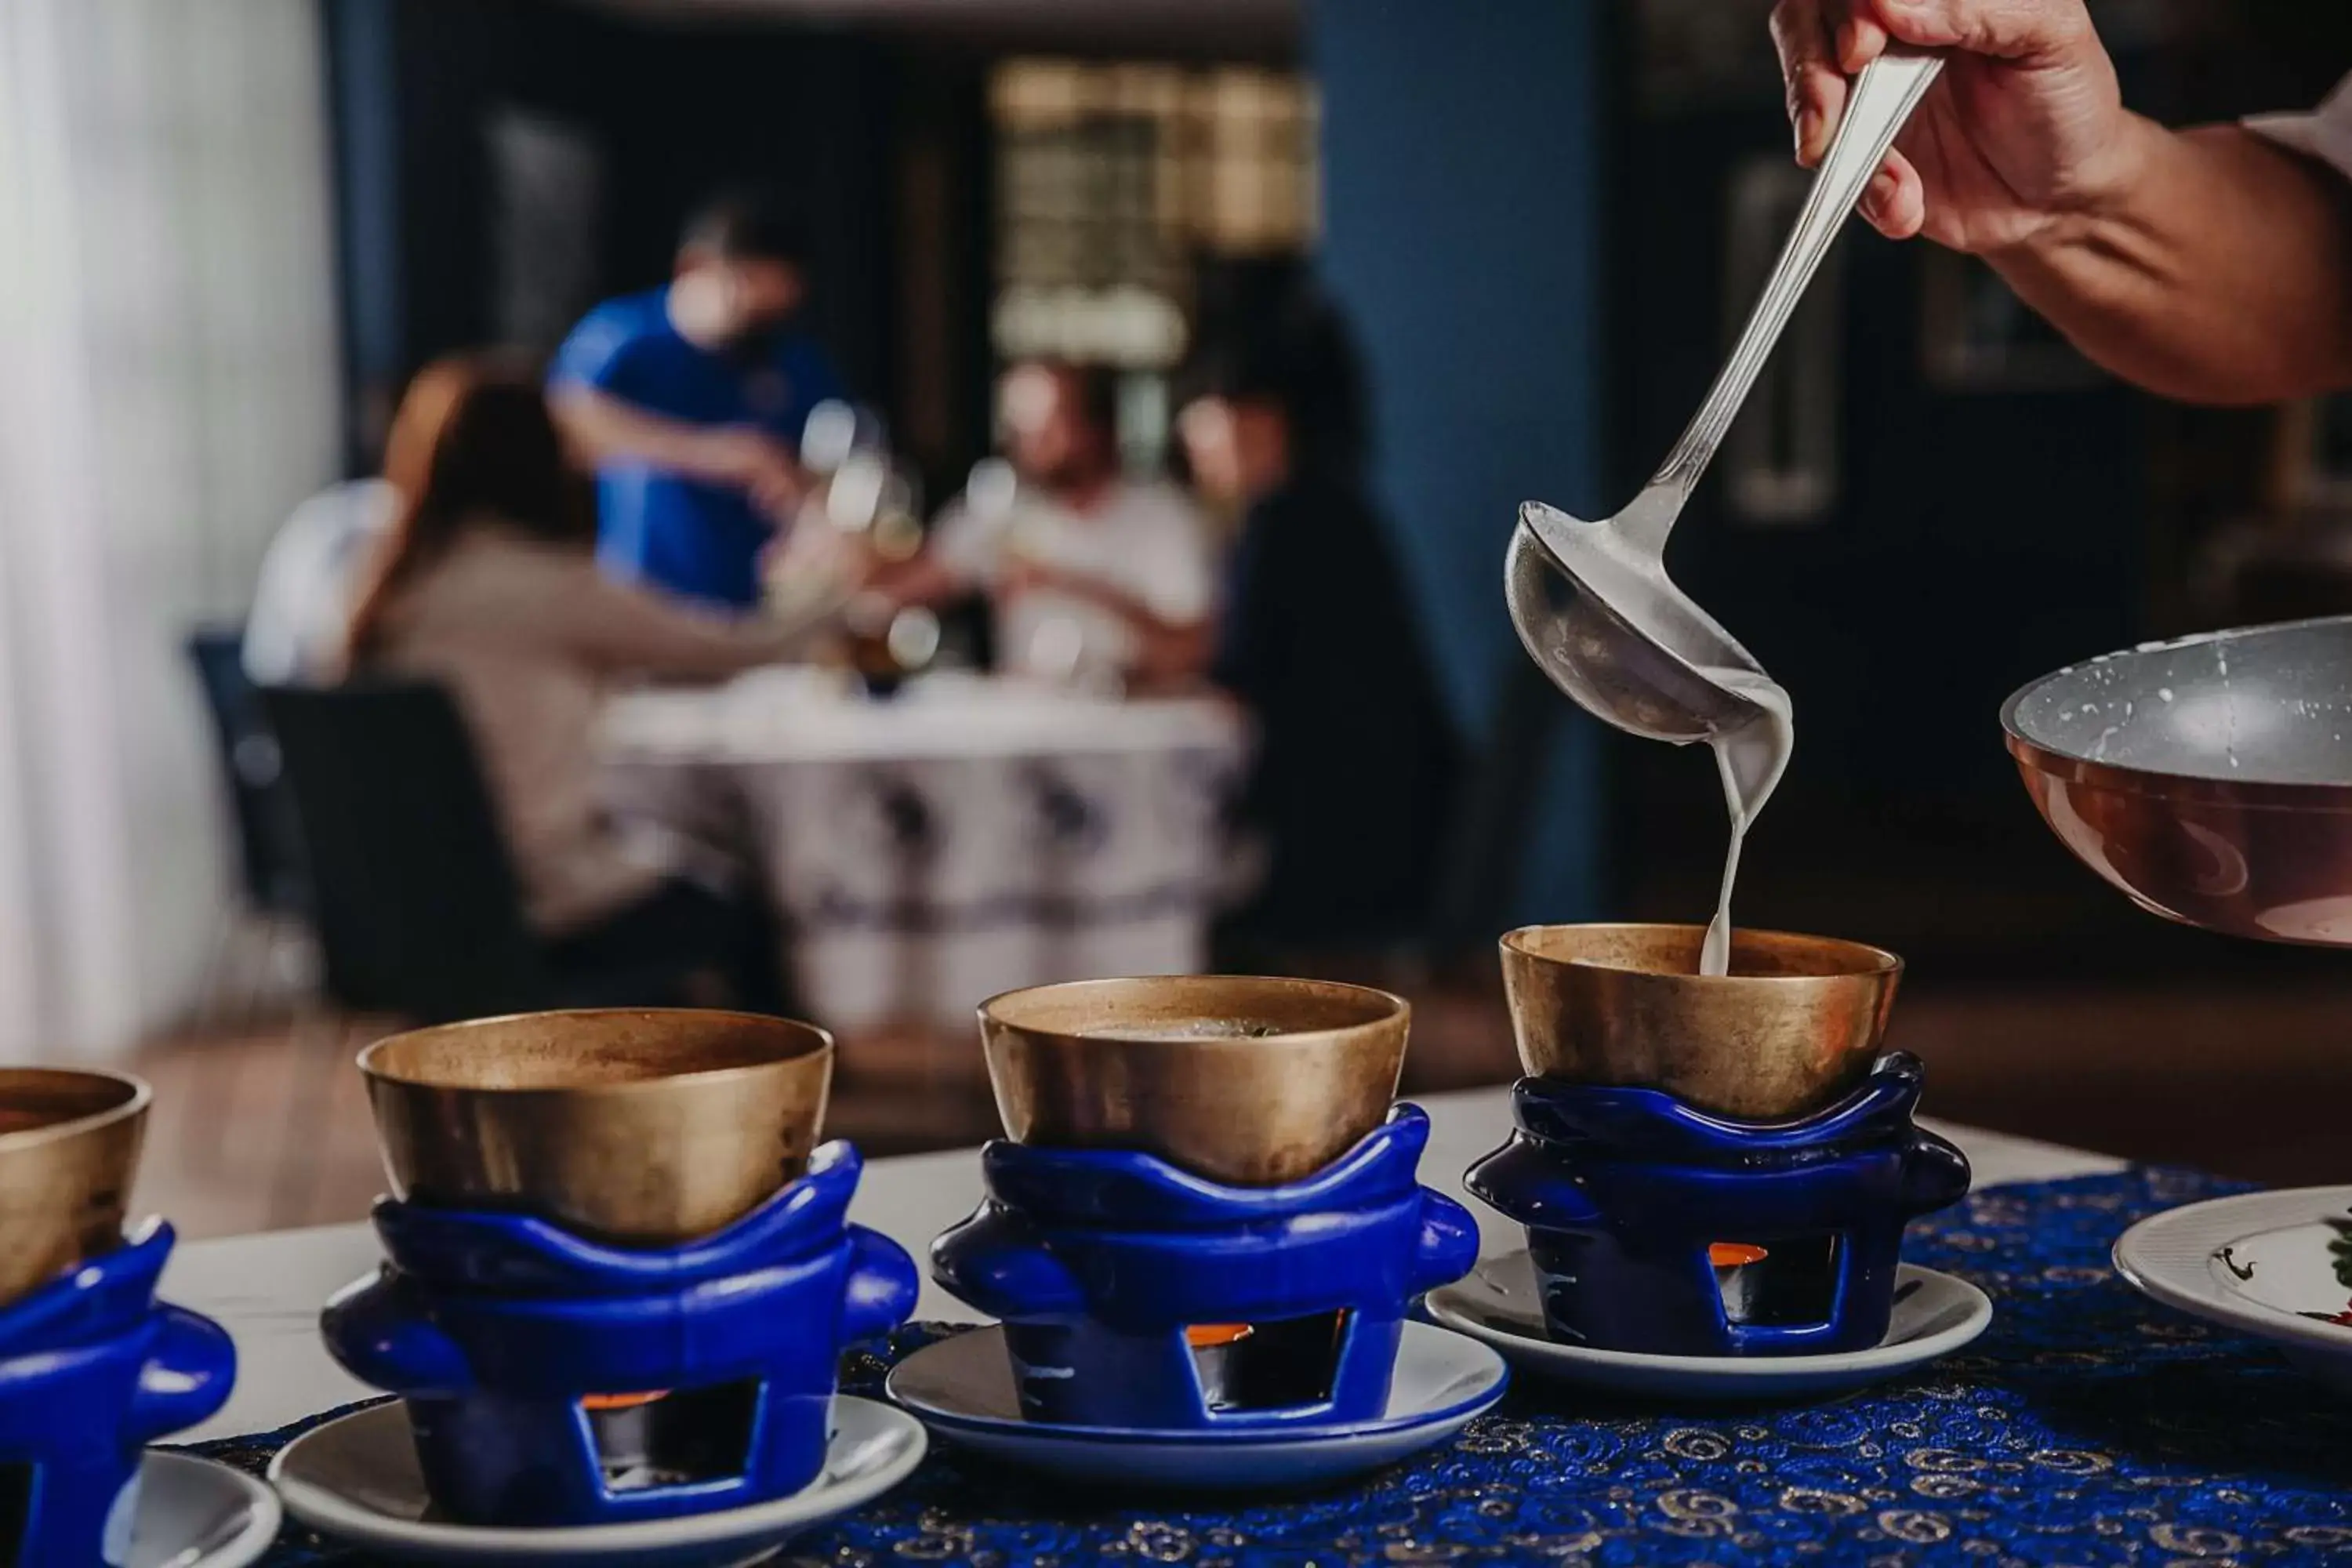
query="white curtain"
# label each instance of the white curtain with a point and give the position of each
(167, 394)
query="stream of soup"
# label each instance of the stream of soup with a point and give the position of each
(1751, 759)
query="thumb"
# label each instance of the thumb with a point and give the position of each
(2005, 30)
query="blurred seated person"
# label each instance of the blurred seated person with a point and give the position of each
(690, 400)
(1094, 578)
(1354, 779)
(301, 612)
(487, 582)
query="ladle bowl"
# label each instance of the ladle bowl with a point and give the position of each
(69, 1145)
(641, 1127)
(1246, 1081)
(1564, 581)
(1795, 1025)
(2209, 779)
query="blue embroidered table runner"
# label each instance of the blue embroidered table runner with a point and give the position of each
(2088, 1426)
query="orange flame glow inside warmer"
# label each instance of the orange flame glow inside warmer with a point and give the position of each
(620, 1401)
(1211, 1336)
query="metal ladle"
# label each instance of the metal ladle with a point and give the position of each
(1631, 647)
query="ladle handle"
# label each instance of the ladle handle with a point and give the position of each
(1883, 96)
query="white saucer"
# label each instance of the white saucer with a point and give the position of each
(962, 1388)
(2262, 1264)
(193, 1514)
(1498, 1302)
(356, 1478)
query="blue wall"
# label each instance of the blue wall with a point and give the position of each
(1463, 184)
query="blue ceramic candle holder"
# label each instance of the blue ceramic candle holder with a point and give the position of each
(552, 1380)
(93, 1369)
(1660, 1229)
(1138, 1295)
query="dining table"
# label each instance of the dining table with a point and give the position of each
(958, 835)
(2089, 1425)
(267, 1289)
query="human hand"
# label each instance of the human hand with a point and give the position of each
(2024, 129)
(763, 468)
(848, 559)
(810, 575)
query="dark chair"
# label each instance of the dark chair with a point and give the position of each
(261, 949)
(269, 849)
(414, 899)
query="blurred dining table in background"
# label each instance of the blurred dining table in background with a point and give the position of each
(959, 838)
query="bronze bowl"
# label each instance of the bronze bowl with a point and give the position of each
(642, 1126)
(2209, 779)
(69, 1146)
(1247, 1081)
(1795, 1024)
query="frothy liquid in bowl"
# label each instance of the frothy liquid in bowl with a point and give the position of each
(1751, 759)
(1190, 1029)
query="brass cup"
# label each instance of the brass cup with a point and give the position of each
(1250, 1082)
(640, 1126)
(68, 1149)
(1794, 1025)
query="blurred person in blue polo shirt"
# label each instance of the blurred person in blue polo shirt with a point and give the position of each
(689, 400)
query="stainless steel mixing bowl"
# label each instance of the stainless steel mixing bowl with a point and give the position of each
(2211, 779)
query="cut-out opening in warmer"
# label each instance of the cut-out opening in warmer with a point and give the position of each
(689, 1437)
(16, 1511)
(1789, 1282)
(1280, 1364)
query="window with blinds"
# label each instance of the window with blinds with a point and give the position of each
(1115, 180)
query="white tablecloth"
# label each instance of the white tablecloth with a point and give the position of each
(965, 837)
(266, 1289)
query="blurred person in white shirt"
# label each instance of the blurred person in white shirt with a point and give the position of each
(1094, 578)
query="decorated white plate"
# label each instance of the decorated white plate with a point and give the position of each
(962, 1388)
(192, 1513)
(2277, 1266)
(1499, 1303)
(356, 1478)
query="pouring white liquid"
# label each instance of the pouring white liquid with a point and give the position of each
(1751, 759)
(1608, 663)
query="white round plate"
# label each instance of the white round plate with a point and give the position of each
(1499, 1303)
(2265, 1264)
(193, 1514)
(962, 1388)
(356, 1478)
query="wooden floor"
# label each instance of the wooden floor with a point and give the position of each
(266, 1127)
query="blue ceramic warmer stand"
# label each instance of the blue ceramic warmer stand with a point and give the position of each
(492, 1327)
(93, 1369)
(1098, 1260)
(1623, 1190)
